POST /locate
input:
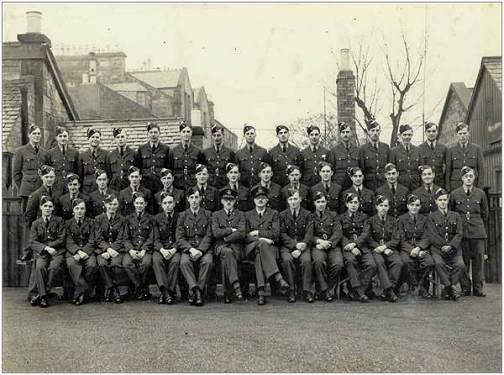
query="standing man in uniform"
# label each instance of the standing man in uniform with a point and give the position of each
(406, 157)
(152, 157)
(395, 193)
(119, 160)
(434, 153)
(93, 158)
(345, 155)
(249, 157)
(373, 157)
(184, 158)
(209, 194)
(282, 155)
(26, 163)
(217, 157)
(472, 205)
(64, 160)
(463, 153)
(312, 156)
(194, 240)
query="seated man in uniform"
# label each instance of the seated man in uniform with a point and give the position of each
(326, 185)
(394, 192)
(294, 176)
(194, 240)
(97, 197)
(64, 206)
(166, 176)
(209, 194)
(126, 195)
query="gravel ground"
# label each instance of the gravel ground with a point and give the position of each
(410, 336)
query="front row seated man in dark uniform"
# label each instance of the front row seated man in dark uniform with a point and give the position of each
(166, 257)
(137, 242)
(194, 240)
(445, 234)
(110, 250)
(383, 244)
(326, 250)
(359, 261)
(228, 229)
(80, 251)
(411, 230)
(296, 235)
(47, 241)
(263, 234)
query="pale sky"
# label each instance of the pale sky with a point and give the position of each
(267, 64)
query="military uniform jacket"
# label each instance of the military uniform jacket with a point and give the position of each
(243, 200)
(80, 237)
(33, 205)
(295, 230)
(327, 227)
(126, 200)
(372, 162)
(52, 235)
(436, 158)
(333, 195)
(303, 194)
(194, 231)
(64, 207)
(222, 233)
(137, 233)
(412, 233)
(63, 164)
(407, 163)
(456, 158)
(355, 230)
(274, 197)
(268, 226)
(178, 196)
(118, 166)
(209, 198)
(96, 202)
(151, 162)
(341, 159)
(445, 230)
(397, 201)
(473, 210)
(382, 233)
(280, 160)
(367, 200)
(108, 233)
(183, 165)
(88, 165)
(164, 230)
(25, 167)
(216, 164)
(427, 199)
(249, 163)
(311, 161)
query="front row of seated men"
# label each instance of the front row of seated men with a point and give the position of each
(319, 245)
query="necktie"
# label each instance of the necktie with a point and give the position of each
(229, 213)
(94, 154)
(46, 221)
(393, 190)
(284, 148)
(153, 147)
(376, 147)
(432, 146)
(414, 220)
(50, 191)
(202, 190)
(139, 216)
(294, 214)
(407, 149)
(347, 146)
(72, 197)
(314, 149)
(260, 215)
(36, 149)
(79, 222)
(468, 192)
(217, 149)
(194, 213)
(185, 148)
(251, 149)
(429, 190)
(63, 150)
(383, 221)
(327, 188)
(122, 151)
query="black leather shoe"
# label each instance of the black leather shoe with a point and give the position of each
(382, 297)
(146, 295)
(117, 296)
(425, 294)
(455, 295)
(238, 294)
(169, 299)
(328, 296)
(35, 301)
(261, 300)
(227, 298)
(199, 299)
(292, 297)
(466, 293)
(446, 294)
(190, 299)
(108, 295)
(308, 297)
(79, 300)
(391, 296)
(43, 302)
(162, 299)
(284, 287)
(479, 293)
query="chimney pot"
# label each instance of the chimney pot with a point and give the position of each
(345, 59)
(34, 21)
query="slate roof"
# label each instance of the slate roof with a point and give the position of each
(159, 79)
(126, 86)
(493, 64)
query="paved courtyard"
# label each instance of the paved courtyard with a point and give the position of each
(412, 336)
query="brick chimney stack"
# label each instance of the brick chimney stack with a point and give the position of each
(34, 29)
(345, 84)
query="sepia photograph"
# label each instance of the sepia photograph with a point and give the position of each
(254, 187)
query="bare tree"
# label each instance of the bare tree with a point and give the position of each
(329, 133)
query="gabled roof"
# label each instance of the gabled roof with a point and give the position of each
(159, 79)
(492, 65)
(126, 86)
(463, 93)
(11, 109)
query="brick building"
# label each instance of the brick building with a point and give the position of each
(454, 111)
(345, 90)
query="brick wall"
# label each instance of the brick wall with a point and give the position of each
(53, 108)
(346, 97)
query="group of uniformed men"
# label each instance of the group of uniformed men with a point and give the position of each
(305, 218)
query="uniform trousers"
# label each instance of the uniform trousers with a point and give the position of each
(188, 268)
(109, 268)
(137, 269)
(265, 262)
(83, 273)
(449, 268)
(229, 266)
(388, 268)
(360, 269)
(166, 271)
(289, 265)
(327, 265)
(473, 250)
(417, 268)
(46, 269)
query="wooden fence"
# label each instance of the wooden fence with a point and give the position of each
(494, 244)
